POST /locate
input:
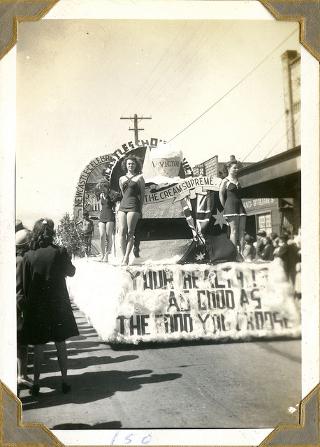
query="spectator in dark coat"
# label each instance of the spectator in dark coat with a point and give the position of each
(22, 245)
(48, 313)
(288, 253)
(261, 235)
(267, 252)
(249, 252)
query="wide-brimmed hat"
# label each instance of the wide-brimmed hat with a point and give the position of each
(22, 237)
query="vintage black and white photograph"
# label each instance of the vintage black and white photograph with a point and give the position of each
(158, 224)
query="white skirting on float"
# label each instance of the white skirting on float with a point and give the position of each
(154, 302)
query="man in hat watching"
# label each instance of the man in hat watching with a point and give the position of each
(87, 231)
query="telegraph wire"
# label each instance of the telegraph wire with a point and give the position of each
(263, 137)
(183, 68)
(278, 141)
(186, 71)
(170, 66)
(234, 86)
(148, 79)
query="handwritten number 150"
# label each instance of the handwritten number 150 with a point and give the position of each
(132, 438)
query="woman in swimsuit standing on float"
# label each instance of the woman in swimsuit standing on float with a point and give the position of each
(107, 218)
(130, 210)
(233, 207)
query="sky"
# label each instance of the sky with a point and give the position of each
(76, 78)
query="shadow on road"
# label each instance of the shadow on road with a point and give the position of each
(196, 342)
(51, 364)
(75, 345)
(87, 330)
(93, 386)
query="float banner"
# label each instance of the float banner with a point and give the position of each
(108, 162)
(171, 302)
(189, 187)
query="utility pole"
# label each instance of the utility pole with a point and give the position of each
(135, 128)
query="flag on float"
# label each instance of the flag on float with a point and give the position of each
(204, 215)
(204, 210)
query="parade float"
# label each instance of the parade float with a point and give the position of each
(188, 288)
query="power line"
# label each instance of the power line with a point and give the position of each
(138, 98)
(278, 141)
(263, 137)
(169, 66)
(185, 67)
(235, 86)
(181, 66)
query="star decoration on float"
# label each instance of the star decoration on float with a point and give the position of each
(220, 219)
(200, 256)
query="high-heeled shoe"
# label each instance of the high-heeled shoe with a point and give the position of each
(25, 381)
(65, 388)
(34, 390)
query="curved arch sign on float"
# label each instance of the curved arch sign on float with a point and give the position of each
(104, 166)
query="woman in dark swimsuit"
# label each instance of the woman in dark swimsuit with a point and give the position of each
(130, 210)
(106, 220)
(233, 207)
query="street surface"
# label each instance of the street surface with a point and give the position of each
(231, 385)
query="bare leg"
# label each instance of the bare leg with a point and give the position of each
(22, 357)
(132, 219)
(102, 232)
(123, 229)
(109, 238)
(116, 235)
(22, 354)
(136, 241)
(233, 221)
(62, 359)
(242, 227)
(38, 355)
(63, 365)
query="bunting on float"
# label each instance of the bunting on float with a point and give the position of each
(205, 218)
(199, 198)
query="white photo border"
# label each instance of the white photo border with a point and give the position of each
(225, 10)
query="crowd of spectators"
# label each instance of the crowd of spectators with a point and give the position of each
(286, 248)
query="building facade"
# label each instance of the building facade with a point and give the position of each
(271, 187)
(272, 215)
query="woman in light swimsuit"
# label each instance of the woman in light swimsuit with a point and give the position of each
(234, 211)
(130, 210)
